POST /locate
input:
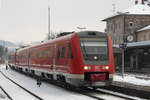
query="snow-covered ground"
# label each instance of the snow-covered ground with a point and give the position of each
(46, 91)
(133, 79)
(3, 96)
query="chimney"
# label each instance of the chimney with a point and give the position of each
(136, 2)
(142, 2)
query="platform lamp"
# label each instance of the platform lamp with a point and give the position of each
(123, 45)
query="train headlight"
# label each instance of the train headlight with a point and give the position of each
(106, 67)
(95, 58)
(87, 67)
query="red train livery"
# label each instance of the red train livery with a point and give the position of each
(79, 58)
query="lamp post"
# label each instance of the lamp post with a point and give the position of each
(123, 45)
(49, 33)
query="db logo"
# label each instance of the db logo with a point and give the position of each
(96, 67)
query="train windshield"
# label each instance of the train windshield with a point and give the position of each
(94, 50)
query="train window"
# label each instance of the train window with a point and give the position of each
(69, 51)
(37, 55)
(48, 53)
(58, 53)
(63, 52)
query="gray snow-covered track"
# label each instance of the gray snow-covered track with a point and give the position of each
(83, 92)
(92, 96)
(6, 93)
(114, 94)
(128, 91)
(31, 93)
(99, 91)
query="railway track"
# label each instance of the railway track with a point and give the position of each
(3, 90)
(116, 94)
(28, 91)
(99, 94)
(104, 95)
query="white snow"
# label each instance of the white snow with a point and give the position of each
(138, 9)
(136, 44)
(14, 91)
(107, 91)
(132, 79)
(3, 96)
(46, 91)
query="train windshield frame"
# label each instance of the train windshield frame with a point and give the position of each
(95, 50)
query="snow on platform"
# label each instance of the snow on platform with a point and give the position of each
(132, 81)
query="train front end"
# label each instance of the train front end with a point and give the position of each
(94, 62)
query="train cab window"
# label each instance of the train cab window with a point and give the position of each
(69, 51)
(58, 53)
(63, 52)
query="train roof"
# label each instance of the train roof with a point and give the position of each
(60, 38)
(65, 36)
(91, 33)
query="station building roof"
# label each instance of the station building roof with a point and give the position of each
(137, 9)
(136, 44)
(144, 28)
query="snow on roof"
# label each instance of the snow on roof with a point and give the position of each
(138, 9)
(144, 28)
(136, 44)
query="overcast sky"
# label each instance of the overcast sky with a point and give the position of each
(27, 20)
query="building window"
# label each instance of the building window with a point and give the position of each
(131, 24)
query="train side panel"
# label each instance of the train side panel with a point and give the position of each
(69, 59)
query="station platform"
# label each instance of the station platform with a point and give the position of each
(133, 81)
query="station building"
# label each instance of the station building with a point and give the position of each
(131, 27)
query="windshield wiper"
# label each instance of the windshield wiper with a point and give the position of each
(85, 51)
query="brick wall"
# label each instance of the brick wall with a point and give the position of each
(116, 27)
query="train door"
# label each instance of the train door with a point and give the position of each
(54, 62)
(28, 55)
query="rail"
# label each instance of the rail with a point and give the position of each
(33, 94)
(6, 93)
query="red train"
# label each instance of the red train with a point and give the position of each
(78, 58)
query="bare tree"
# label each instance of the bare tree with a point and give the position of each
(2, 53)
